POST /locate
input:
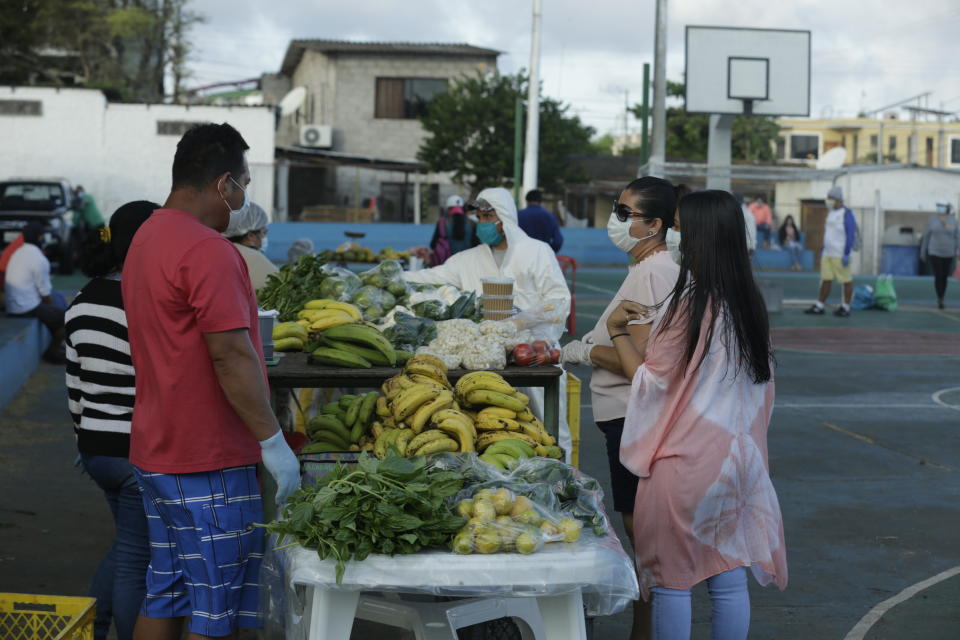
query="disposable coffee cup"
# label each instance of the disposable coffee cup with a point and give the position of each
(497, 303)
(497, 286)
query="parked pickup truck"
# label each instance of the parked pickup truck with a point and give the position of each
(48, 200)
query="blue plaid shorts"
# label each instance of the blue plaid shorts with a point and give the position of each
(205, 553)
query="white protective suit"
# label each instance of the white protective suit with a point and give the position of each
(537, 279)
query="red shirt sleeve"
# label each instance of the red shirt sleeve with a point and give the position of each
(217, 286)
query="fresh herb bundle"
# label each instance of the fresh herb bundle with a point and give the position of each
(393, 506)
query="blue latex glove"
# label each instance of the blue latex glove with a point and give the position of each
(282, 464)
(845, 260)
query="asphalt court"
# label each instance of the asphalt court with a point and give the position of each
(865, 455)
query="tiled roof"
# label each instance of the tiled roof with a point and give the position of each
(297, 47)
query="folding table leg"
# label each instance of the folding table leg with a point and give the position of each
(332, 613)
(563, 616)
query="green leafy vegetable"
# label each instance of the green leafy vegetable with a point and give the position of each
(393, 506)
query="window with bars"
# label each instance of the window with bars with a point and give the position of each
(406, 98)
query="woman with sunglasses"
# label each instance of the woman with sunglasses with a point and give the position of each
(637, 226)
(696, 430)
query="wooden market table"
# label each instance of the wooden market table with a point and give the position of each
(295, 372)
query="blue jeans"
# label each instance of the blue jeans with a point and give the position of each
(764, 232)
(121, 579)
(796, 251)
(731, 608)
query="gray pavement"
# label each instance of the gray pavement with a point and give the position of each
(865, 462)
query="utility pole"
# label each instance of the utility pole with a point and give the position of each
(644, 115)
(517, 148)
(531, 157)
(658, 155)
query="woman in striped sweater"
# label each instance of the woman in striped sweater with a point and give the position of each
(100, 386)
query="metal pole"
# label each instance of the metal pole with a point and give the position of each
(658, 156)
(718, 151)
(644, 115)
(517, 148)
(416, 198)
(531, 157)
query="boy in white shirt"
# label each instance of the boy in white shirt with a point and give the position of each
(29, 292)
(839, 236)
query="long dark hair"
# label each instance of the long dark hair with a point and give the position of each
(715, 276)
(102, 254)
(459, 225)
(655, 198)
(782, 232)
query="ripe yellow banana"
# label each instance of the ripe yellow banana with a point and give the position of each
(410, 399)
(485, 397)
(382, 409)
(522, 397)
(545, 436)
(422, 415)
(498, 412)
(346, 307)
(488, 438)
(526, 415)
(403, 438)
(427, 370)
(489, 423)
(531, 430)
(483, 380)
(333, 319)
(423, 438)
(437, 446)
(453, 414)
(457, 429)
(422, 379)
(429, 359)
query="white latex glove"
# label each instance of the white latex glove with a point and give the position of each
(282, 464)
(576, 352)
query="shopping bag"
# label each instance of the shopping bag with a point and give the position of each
(863, 298)
(884, 295)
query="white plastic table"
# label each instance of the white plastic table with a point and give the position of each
(555, 576)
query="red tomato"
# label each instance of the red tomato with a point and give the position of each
(523, 355)
(540, 346)
(554, 356)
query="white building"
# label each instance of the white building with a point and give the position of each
(365, 98)
(893, 197)
(119, 152)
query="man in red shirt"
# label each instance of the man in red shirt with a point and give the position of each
(202, 418)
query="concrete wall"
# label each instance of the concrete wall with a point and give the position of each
(114, 149)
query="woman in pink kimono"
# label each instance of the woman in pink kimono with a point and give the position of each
(696, 429)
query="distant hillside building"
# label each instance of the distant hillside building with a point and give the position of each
(354, 135)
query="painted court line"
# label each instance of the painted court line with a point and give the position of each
(869, 440)
(939, 394)
(787, 405)
(860, 630)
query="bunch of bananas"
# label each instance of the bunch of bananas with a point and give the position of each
(354, 345)
(343, 425)
(289, 336)
(418, 413)
(320, 315)
(502, 413)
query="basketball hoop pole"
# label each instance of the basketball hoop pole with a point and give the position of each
(718, 151)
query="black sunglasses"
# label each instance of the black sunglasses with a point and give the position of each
(623, 212)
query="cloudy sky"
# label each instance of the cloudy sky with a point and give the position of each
(866, 53)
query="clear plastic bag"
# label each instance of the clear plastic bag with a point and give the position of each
(338, 284)
(545, 321)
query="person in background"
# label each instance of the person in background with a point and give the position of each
(749, 224)
(86, 215)
(638, 226)
(101, 389)
(763, 218)
(28, 292)
(7, 253)
(673, 235)
(300, 247)
(839, 237)
(696, 430)
(538, 223)
(248, 233)
(454, 232)
(202, 418)
(940, 246)
(789, 238)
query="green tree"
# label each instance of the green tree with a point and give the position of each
(126, 47)
(471, 132)
(752, 137)
(602, 146)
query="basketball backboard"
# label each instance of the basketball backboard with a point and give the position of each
(732, 70)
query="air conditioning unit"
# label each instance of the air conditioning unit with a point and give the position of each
(317, 136)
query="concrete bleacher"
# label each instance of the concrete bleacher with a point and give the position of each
(589, 246)
(22, 341)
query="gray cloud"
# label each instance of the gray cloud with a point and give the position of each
(866, 53)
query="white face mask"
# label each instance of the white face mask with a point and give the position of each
(236, 212)
(831, 204)
(673, 244)
(264, 243)
(619, 233)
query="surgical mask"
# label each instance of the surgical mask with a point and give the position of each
(264, 243)
(831, 204)
(941, 208)
(488, 234)
(673, 244)
(236, 212)
(619, 233)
